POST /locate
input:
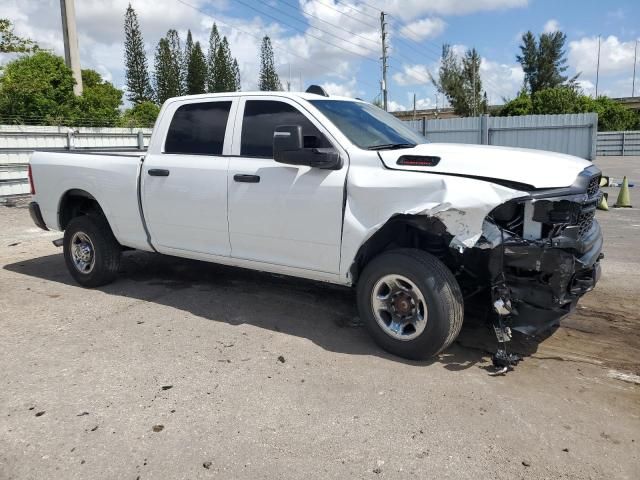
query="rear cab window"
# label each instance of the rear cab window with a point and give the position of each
(259, 121)
(198, 128)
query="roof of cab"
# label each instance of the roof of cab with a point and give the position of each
(295, 95)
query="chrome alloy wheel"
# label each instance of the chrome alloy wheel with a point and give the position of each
(399, 307)
(82, 252)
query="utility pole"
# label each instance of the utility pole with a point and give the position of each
(289, 81)
(70, 36)
(414, 106)
(383, 30)
(635, 60)
(598, 67)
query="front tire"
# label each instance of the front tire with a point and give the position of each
(91, 252)
(410, 303)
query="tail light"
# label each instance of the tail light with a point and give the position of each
(31, 185)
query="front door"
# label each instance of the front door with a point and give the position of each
(184, 186)
(281, 214)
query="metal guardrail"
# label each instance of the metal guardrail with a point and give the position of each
(16, 146)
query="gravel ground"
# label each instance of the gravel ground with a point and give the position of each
(183, 369)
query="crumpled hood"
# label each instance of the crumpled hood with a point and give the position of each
(538, 168)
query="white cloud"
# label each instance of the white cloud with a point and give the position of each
(421, 104)
(347, 89)
(409, 9)
(587, 87)
(500, 80)
(100, 31)
(423, 29)
(394, 106)
(551, 26)
(615, 56)
(412, 75)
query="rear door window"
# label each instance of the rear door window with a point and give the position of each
(261, 117)
(198, 129)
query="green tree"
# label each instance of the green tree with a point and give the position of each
(99, 103)
(214, 42)
(237, 85)
(224, 75)
(521, 105)
(142, 115)
(475, 99)
(197, 71)
(459, 80)
(136, 70)
(528, 60)
(100, 100)
(569, 99)
(186, 58)
(168, 68)
(544, 61)
(612, 116)
(177, 59)
(11, 43)
(36, 89)
(553, 101)
(269, 80)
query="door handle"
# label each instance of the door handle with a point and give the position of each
(158, 172)
(240, 177)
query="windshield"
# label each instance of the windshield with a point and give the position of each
(368, 126)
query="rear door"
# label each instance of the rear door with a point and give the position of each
(281, 214)
(184, 181)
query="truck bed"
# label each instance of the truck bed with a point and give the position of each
(111, 177)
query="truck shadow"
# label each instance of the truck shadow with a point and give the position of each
(323, 313)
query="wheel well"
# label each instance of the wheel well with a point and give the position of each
(75, 203)
(404, 231)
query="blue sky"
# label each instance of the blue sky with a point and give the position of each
(335, 43)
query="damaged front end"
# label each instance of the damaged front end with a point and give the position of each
(543, 253)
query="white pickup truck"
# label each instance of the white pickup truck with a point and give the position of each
(336, 190)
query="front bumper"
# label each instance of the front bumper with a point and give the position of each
(36, 215)
(545, 279)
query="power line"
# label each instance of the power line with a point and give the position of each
(331, 7)
(331, 24)
(398, 52)
(436, 48)
(276, 47)
(427, 79)
(378, 11)
(306, 33)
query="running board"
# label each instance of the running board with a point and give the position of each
(58, 242)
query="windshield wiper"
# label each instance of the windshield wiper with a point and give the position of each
(391, 146)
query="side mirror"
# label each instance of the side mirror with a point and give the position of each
(288, 147)
(287, 138)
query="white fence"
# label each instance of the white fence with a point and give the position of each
(619, 143)
(574, 134)
(17, 142)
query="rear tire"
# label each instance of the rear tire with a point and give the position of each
(410, 303)
(91, 252)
